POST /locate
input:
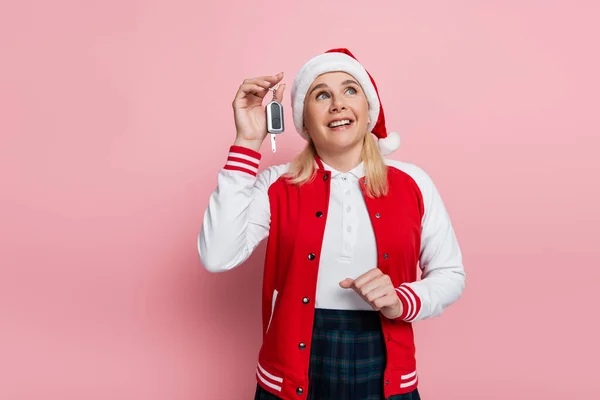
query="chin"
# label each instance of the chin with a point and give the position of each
(342, 144)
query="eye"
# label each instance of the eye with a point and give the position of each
(352, 90)
(319, 96)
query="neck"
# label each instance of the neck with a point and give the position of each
(342, 161)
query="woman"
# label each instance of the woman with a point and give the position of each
(346, 230)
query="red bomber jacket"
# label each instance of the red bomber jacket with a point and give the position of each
(412, 229)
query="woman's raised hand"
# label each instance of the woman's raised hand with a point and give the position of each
(249, 111)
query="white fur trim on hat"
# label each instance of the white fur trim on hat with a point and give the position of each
(331, 62)
(389, 144)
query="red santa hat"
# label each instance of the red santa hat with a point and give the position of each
(342, 60)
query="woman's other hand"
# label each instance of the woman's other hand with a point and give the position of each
(376, 288)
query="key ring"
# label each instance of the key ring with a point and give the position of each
(273, 89)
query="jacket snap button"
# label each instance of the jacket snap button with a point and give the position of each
(319, 214)
(299, 390)
(377, 215)
(302, 346)
(387, 382)
(325, 177)
(311, 256)
(385, 255)
(305, 300)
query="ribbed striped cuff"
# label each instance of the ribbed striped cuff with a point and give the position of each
(411, 303)
(243, 159)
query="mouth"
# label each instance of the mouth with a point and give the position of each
(340, 124)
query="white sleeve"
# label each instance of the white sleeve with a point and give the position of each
(443, 276)
(238, 216)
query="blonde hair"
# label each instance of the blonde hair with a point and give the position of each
(304, 168)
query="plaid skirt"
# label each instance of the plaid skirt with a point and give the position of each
(347, 358)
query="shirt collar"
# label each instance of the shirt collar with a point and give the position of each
(357, 171)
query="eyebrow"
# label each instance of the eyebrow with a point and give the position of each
(322, 85)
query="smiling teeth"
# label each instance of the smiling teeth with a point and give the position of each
(339, 123)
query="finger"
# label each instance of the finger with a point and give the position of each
(368, 287)
(250, 89)
(346, 283)
(384, 301)
(263, 81)
(367, 276)
(381, 281)
(279, 93)
(272, 79)
(375, 294)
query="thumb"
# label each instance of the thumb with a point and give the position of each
(346, 283)
(279, 93)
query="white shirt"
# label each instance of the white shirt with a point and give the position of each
(349, 247)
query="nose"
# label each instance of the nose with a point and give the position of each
(337, 105)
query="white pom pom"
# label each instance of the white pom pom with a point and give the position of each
(389, 144)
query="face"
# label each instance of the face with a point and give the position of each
(336, 112)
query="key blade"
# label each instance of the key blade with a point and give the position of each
(273, 147)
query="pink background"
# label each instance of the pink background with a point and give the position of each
(115, 118)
